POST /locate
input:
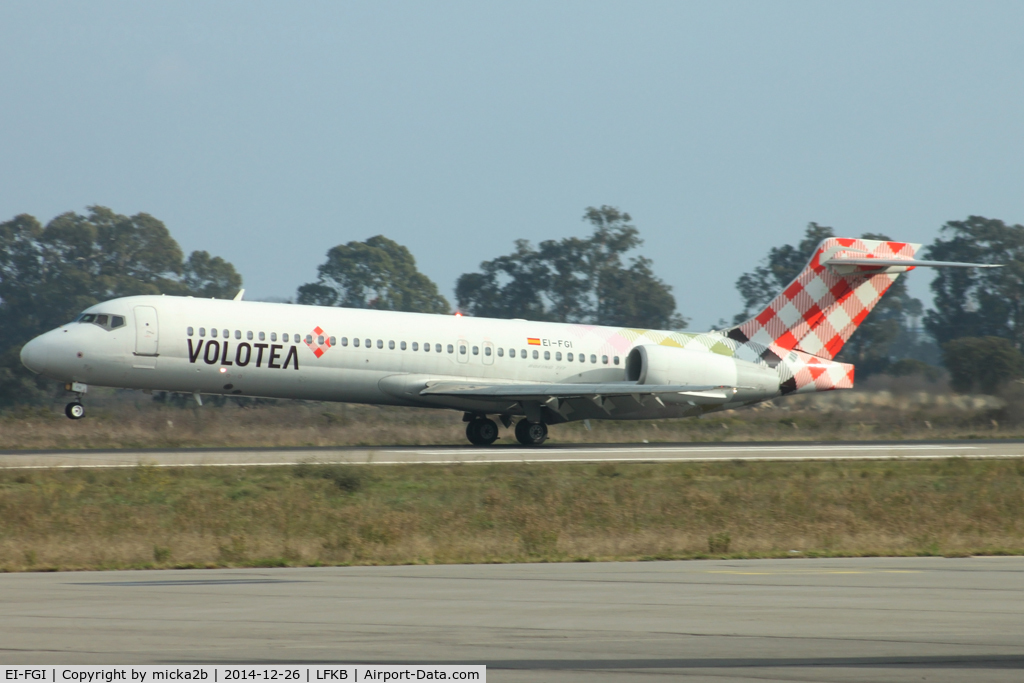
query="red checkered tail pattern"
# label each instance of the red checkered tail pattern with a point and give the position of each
(826, 302)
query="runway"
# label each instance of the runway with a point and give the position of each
(847, 620)
(554, 453)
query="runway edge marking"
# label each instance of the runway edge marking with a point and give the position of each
(806, 458)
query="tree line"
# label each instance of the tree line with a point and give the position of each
(595, 279)
(50, 273)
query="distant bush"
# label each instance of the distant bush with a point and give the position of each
(718, 544)
(911, 367)
(982, 364)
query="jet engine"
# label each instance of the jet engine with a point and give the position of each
(653, 364)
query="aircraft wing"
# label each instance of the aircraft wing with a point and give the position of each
(544, 392)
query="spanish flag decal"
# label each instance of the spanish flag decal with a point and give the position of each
(533, 341)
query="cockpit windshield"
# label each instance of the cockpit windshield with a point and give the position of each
(104, 320)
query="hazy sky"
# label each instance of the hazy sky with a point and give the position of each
(268, 133)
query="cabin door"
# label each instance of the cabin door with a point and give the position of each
(147, 331)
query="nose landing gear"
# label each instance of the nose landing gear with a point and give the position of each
(75, 410)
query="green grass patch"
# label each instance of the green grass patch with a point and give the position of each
(314, 514)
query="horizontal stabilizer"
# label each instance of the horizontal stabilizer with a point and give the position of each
(882, 263)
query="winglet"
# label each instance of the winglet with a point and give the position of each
(238, 297)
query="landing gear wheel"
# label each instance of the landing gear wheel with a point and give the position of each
(531, 433)
(75, 410)
(482, 432)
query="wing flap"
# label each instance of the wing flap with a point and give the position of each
(545, 392)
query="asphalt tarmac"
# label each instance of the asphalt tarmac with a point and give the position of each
(696, 452)
(846, 620)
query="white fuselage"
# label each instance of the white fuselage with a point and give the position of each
(247, 348)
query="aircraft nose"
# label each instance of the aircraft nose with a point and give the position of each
(34, 355)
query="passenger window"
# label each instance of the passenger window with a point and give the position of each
(451, 348)
(380, 343)
(402, 346)
(355, 343)
(501, 352)
(437, 348)
(426, 348)
(476, 350)
(202, 331)
(344, 341)
(190, 331)
(616, 360)
(391, 345)
(547, 355)
(227, 333)
(248, 335)
(593, 358)
(558, 355)
(462, 349)
(368, 343)
(118, 321)
(262, 336)
(487, 350)
(568, 357)
(309, 339)
(536, 354)
(320, 340)
(273, 336)
(415, 346)
(604, 360)
(238, 334)
(332, 341)
(213, 332)
(522, 354)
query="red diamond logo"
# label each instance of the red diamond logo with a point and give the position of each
(318, 342)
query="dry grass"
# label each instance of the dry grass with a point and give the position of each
(145, 425)
(132, 420)
(319, 514)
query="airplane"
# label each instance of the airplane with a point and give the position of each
(531, 373)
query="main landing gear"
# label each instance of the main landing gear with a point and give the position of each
(531, 433)
(482, 431)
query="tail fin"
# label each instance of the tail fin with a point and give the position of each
(830, 298)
